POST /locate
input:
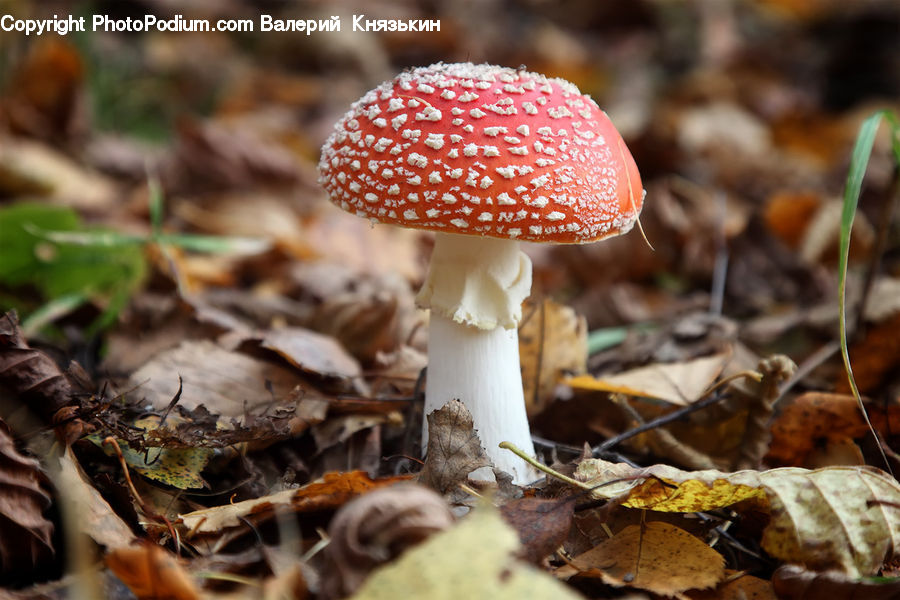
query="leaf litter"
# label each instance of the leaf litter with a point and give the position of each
(302, 363)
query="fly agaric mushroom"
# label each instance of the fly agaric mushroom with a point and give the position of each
(484, 156)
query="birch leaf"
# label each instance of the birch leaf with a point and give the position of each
(843, 518)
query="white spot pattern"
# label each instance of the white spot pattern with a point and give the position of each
(587, 189)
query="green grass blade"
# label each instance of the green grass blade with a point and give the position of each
(52, 310)
(215, 244)
(156, 205)
(859, 161)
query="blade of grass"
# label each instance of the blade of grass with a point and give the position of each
(155, 205)
(51, 311)
(859, 161)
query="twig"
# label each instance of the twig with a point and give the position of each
(672, 416)
(145, 508)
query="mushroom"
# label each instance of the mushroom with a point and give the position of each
(484, 156)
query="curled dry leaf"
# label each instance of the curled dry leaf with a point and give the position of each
(376, 528)
(152, 573)
(841, 518)
(454, 449)
(658, 557)
(95, 517)
(473, 559)
(25, 534)
(36, 378)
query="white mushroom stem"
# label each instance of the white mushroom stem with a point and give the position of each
(475, 288)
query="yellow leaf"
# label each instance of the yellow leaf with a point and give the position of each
(473, 560)
(662, 558)
(833, 518)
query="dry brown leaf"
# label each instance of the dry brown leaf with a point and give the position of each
(787, 214)
(93, 515)
(874, 357)
(832, 518)
(152, 573)
(256, 215)
(232, 153)
(32, 167)
(44, 94)
(454, 449)
(376, 528)
(810, 225)
(552, 344)
(227, 383)
(811, 419)
(542, 524)
(342, 238)
(311, 352)
(37, 379)
(792, 582)
(328, 493)
(339, 429)
(738, 587)
(679, 383)
(658, 557)
(25, 534)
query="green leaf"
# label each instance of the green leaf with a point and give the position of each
(47, 247)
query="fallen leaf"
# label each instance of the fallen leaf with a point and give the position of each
(227, 383)
(792, 582)
(336, 430)
(542, 524)
(30, 166)
(152, 573)
(177, 467)
(92, 513)
(454, 449)
(809, 421)
(311, 352)
(25, 534)
(738, 587)
(680, 383)
(552, 344)
(231, 153)
(36, 378)
(329, 493)
(473, 560)
(832, 518)
(875, 357)
(345, 239)
(44, 95)
(657, 557)
(376, 528)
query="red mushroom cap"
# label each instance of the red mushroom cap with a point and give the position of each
(484, 150)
